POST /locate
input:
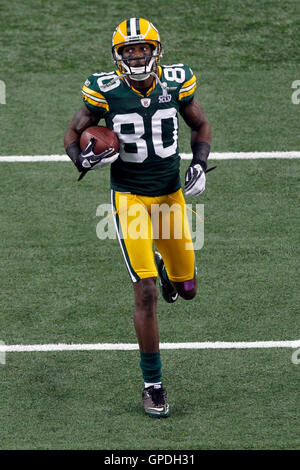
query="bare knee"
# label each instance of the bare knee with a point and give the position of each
(146, 295)
(187, 289)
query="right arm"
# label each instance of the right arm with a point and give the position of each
(82, 119)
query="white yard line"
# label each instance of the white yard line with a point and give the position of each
(132, 346)
(184, 156)
(246, 155)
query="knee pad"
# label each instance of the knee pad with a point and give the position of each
(187, 289)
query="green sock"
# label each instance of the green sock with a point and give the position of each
(151, 367)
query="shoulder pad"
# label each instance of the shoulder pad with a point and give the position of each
(107, 81)
(177, 74)
(93, 97)
(184, 78)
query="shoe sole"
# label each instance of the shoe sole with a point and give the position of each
(165, 414)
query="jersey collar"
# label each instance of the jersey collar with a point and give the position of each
(153, 86)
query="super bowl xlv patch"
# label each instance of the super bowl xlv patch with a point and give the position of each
(146, 102)
(165, 97)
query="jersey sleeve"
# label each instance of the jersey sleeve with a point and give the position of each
(92, 98)
(188, 87)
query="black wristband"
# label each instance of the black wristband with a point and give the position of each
(73, 151)
(200, 153)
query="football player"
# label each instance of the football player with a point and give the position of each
(140, 101)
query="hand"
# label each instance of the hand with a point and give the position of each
(88, 160)
(195, 180)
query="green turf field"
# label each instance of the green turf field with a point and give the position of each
(60, 284)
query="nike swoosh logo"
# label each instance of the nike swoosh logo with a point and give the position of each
(156, 409)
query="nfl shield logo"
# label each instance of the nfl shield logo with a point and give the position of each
(146, 102)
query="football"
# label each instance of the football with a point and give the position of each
(105, 139)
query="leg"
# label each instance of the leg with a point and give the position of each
(178, 257)
(145, 320)
(186, 289)
(138, 256)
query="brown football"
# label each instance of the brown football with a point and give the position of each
(105, 139)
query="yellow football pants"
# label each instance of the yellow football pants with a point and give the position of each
(142, 221)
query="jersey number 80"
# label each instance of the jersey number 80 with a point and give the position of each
(136, 137)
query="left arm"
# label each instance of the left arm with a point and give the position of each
(195, 118)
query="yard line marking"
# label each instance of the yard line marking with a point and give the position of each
(246, 155)
(132, 346)
(184, 156)
(34, 158)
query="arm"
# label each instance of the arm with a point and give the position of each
(82, 119)
(85, 160)
(194, 116)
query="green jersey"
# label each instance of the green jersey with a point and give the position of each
(146, 125)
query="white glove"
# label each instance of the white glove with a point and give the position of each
(195, 180)
(89, 160)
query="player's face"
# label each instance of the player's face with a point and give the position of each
(139, 54)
